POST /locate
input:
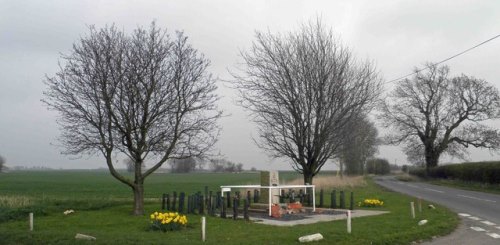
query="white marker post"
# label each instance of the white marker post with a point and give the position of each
(412, 205)
(203, 228)
(31, 221)
(349, 221)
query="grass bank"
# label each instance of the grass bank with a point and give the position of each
(102, 208)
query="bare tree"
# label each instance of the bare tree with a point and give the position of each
(360, 143)
(145, 95)
(432, 114)
(302, 89)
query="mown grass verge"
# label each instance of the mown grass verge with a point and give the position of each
(109, 219)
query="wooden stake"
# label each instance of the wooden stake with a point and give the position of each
(412, 205)
(31, 221)
(203, 228)
(349, 221)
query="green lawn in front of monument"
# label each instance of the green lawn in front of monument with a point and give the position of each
(102, 208)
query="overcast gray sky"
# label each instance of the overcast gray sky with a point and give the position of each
(397, 35)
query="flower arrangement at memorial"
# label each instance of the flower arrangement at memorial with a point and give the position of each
(371, 203)
(168, 221)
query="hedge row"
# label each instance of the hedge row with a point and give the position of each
(484, 172)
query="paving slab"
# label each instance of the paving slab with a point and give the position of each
(315, 217)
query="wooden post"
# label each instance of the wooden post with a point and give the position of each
(282, 196)
(342, 200)
(238, 195)
(206, 196)
(223, 208)
(245, 210)
(334, 199)
(168, 201)
(321, 198)
(349, 221)
(209, 200)
(174, 200)
(182, 196)
(196, 201)
(202, 204)
(163, 201)
(217, 203)
(249, 196)
(351, 203)
(212, 205)
(203, 228)
(412, 205)
(31, 221)
(235, 208)
(189, 204)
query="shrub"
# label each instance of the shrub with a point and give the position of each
(483, 172)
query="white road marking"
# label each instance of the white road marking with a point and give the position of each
(464, 214)
(477, 228)
(434, 190)
(488, 222)
(494, 235)
(473, 218)
(475, 198)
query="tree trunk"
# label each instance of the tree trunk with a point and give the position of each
(431, 161)
(138, 199)
(308, 178)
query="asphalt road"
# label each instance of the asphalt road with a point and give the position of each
(480, 212)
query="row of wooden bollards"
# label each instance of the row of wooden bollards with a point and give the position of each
(212, 202)
(197, 202)
(306, 198)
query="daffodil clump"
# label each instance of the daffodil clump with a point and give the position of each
(371, 203)
(168, 221)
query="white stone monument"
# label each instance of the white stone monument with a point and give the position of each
(269, 178)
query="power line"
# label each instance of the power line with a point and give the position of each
(442, 61)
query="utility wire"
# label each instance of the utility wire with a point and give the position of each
(449, 58)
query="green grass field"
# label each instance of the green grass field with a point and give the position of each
(102, 207)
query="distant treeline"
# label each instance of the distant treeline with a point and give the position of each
(484, 172)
